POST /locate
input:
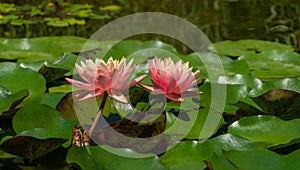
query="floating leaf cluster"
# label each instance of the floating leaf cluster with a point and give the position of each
(54, 14)
(259, 128)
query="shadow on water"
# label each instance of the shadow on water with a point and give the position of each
(219, 19)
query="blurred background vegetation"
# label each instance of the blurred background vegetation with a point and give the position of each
(219, 19)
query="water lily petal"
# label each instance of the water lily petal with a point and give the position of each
(146, 87)
(174, 97)
(119, 96)
(98, 77)
(173, 80)
(90, 95)
(80, 84)
(191, 93)
(137, 80)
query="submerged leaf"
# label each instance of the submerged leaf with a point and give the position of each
(281, 103)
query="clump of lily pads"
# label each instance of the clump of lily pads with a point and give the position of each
(53, 14)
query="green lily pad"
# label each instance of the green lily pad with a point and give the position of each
(10, 73)
(59, 69)
(7, 8)
(220, 162)
(158, 45)
(65, 88)
(11, 101)
(51, 99)
(264, 159)
(56, 22)
(6, 155)
(242, 47)
(86, 160)
(20, 22)
(138, 50)
(191, 154)
(98, 17)
(238, 87)
(71, 8)
(7, 18)
(230, 67)
(187, 120)
(229, 142)
(119, 50)
(66, 62)
(235, 91)
(273, 64)
(268, 129)
(26, 50)
(202, 127)
(35, 66)
(52, 75)
(240, 79)
(84, 13)
(285, 84)
(95, 157)
(188, 155)
(72, 44)
(35, 11)
(115, 8)
(73, 21)
(30, 121)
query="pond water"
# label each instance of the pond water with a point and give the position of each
(219, 19)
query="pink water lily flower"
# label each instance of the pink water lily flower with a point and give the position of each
(172, 80)
(100, 77)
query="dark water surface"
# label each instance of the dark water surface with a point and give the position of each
(219, 19)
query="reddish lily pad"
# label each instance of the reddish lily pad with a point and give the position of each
(30, 147)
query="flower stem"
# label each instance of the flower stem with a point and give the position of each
(99, 113)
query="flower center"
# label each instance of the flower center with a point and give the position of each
(103, 82)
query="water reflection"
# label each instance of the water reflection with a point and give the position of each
(219, 19)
